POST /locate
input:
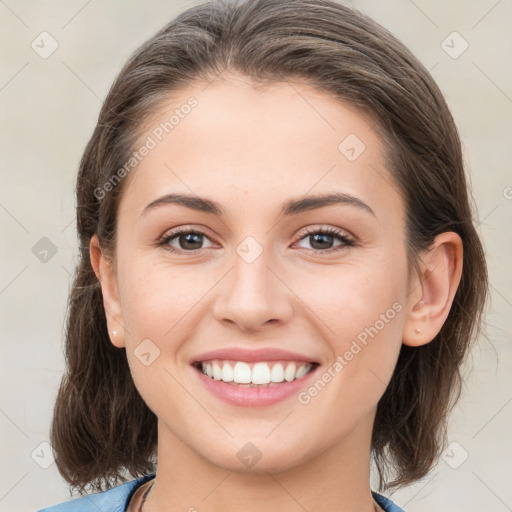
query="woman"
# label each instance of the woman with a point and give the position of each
(279, 274)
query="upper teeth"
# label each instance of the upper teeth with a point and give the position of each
(255, 373)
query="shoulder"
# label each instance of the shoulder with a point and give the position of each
(386, 504)
(113, 500)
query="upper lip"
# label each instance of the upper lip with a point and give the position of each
(250, 355)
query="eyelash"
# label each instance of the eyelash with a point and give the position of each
(346, 241)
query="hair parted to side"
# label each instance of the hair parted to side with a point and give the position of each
(101, 426)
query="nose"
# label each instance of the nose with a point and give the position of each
(253, 296)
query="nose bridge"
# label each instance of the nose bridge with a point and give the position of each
(252, 294)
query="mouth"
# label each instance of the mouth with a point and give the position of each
(254, 374)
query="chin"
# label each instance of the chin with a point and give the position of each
(258, 456)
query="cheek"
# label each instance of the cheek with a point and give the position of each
(365, 347)
(351, 298)
(362, 315)
(156, 304)
(155, 297)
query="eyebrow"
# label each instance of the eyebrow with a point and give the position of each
(291, 207)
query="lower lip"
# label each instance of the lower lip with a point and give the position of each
(253, 397)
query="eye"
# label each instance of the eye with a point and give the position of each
(188, 240)
(321, 240)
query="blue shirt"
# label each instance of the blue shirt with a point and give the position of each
(118, 498)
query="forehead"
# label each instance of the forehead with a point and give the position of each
(247, 145)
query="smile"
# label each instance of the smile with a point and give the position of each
(254, 374)
(255, 384)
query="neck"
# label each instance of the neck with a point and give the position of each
(335, 479)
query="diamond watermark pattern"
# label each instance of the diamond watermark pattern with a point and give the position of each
(249, 249)
(351, 147)
(455, 455)
(146, 352)
(44, 45)
(44, 250)
(42, 455)
(249, 455)
(454, 45)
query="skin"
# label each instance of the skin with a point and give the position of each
(251, 149)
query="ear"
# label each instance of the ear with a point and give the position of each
(106, 276)
(432, 291)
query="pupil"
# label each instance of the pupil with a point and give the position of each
(186, 237)
(319, 236)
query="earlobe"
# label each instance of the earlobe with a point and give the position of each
(433, 290)
(105, 273)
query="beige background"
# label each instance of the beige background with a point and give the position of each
(49, 108)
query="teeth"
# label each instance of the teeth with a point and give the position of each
(227, 373)
(289, 373)
(301, 372)
(277, 374)
(217, 371)
(239, 372)
(260, 373)
(242, 373)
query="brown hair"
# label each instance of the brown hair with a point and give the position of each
(101, 425)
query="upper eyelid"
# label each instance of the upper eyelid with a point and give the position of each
(184, 229)
(334, 231)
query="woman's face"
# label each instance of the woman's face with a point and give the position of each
(261, 273)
